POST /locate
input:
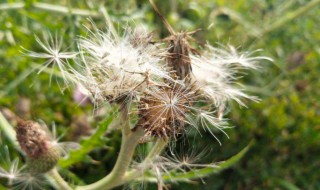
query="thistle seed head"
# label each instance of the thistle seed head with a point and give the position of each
(163, 111)
(113, 68)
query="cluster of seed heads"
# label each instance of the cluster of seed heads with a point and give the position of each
(168, 84)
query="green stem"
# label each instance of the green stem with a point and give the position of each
(60, 182)
(155, 151)
(236, 17)
(290, 16)
(125, 120)
(65, 10)
(11, 6)
(8, 131)
(51, 8)
(116, 177)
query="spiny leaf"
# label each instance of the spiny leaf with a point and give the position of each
(94, 141)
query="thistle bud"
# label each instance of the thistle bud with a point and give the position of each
(42, 153)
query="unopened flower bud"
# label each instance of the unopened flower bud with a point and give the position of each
(42, 153)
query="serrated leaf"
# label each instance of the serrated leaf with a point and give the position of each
(96, 140)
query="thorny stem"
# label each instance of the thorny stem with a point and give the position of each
(60, 182)
(116, 177)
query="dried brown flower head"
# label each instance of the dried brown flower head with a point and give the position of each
(179, 49)
(42, 153)
(163, 111)
(32, 138)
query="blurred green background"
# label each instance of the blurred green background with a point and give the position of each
(285, 124)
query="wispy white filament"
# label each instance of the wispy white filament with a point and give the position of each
(52, 54)
(116, 67)
(217, 72)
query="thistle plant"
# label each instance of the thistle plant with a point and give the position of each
(160, 89)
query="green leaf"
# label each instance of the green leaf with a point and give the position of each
(2, 188)
(72, 177)
(8, 131)
(94, 141)
(204, 172)
(286, 184)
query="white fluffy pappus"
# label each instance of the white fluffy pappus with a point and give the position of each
(217, 71)
(53, 55)
(120, 66)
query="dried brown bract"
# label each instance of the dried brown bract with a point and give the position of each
(179, 49)
(178, 58)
